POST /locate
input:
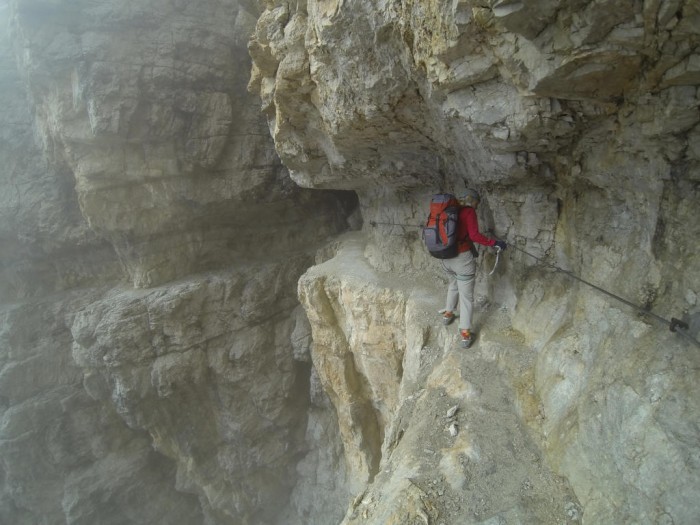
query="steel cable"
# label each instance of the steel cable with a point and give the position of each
(673, 325)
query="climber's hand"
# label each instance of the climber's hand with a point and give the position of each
(501, 245)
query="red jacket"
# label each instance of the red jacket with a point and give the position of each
(468, 229)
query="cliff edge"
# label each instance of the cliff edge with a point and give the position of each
(216, 307)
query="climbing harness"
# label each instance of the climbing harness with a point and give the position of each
(673, 325)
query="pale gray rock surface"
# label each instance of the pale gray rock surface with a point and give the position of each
(204, 367)
(155, 363)
(68, 458)
(45, 244)
(151, 247)
(578, 122)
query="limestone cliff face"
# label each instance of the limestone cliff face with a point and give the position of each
(146, 107)
(186, 337)
(579, 123)
(152, 243)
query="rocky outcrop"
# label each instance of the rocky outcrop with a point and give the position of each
(152, 243)
(45, 243)
(433, 431)
(578, 121)
(65, 457)
(204, 367)
(181, 343)
(68, 458)
(146, 107)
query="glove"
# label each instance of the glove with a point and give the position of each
(501, 244)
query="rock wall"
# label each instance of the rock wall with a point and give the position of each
(578, 121)
(187, 338)
(151, 246)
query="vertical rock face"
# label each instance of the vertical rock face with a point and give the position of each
(68, 458)
(146, 106)
(179, 343)
(41, 228)
(151, 247)
(578, 121)
(205, 367)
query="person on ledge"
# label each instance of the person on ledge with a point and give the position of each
(462, 269)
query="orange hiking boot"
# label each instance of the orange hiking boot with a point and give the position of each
(448, 317)
(467, 338)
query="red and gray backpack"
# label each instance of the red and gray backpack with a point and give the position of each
(440, 231)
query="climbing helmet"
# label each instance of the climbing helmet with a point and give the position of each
(470, 198)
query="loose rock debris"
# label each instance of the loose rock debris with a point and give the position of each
(480, 467)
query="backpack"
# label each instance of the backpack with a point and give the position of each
(440, 230)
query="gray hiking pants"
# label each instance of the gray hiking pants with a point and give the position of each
(461, 271)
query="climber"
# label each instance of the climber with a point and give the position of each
(462, 269)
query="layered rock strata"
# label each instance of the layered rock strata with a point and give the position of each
(151, 246)
(156, 366)
(435, 432)
(579, 123)
(146, 106)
